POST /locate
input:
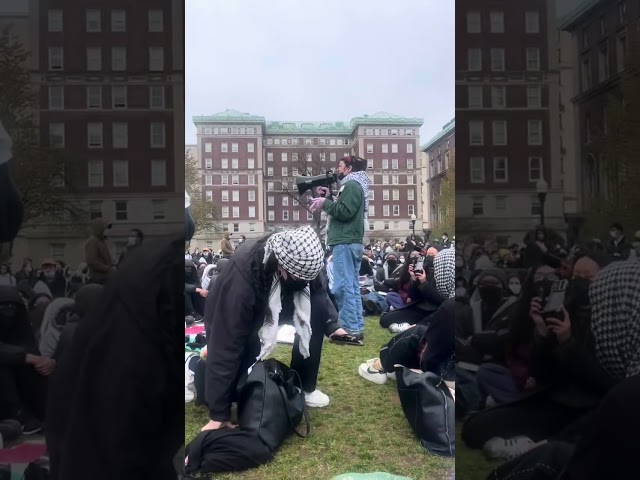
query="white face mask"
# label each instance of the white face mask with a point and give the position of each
(131, 241)
(515, 289)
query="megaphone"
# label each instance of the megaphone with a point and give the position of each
(306, 183)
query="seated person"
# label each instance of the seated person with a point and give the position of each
(194, 294)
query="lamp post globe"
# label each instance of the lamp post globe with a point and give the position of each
(413, 224)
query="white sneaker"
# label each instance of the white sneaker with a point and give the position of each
(369, 372)
(189, 376)
(188, 395)
(392, 376)
(316, 399)
(490, 402)
(399, 327)
(507, 448)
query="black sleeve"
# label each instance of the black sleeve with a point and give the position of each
(231, 318)
(583, 367)
(188, 288)
(11, 355)
(439, 338)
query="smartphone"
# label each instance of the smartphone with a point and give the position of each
(555, 300)
(419, 266)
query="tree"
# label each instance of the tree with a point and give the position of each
(43, 174)
(309, 163)
(205, 214)
(447, 201)
(618, 175)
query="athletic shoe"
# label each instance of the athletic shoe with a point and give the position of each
(188, 395)
(399, 327)
(507, 448)
(30, 424)
(316, 399)
(189, 320)
(372, 307)
(372, 371)
(188, 374)
(10, 430)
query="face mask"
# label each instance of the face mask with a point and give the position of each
(392, 264)
(461, 292)
(187, 271)
(8, 316)
(292, 285)
(578, 292)
(401, 259)
(378, 262)
(132, 240)
(49, 274)
(515, 289)
(490, 294)
(613, 234)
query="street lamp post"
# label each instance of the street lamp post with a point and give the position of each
(542, 188)
(413, 224)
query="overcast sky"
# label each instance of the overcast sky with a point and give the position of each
(322, 60)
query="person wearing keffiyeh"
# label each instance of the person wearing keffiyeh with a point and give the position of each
(347, 218)
(276, 278)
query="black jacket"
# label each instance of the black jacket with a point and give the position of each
(115, 409)
(16, 340)
(234, 314)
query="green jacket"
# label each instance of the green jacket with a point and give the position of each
(347, 215)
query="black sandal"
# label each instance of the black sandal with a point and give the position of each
(346, 340)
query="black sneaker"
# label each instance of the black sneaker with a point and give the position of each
(372, 307)
(10, 430)
(30, 424)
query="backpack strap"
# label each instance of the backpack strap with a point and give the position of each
(305, 410)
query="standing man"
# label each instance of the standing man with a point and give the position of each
(345, 232)
(225, 245)
(97, 254)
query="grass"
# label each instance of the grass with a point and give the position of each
(363, 430)
(471, 464)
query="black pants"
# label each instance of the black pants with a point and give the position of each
(21, 388)
(411, 315)
(403, 349)
(536, 417)
(193, 304)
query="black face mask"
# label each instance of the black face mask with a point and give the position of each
(392, 265)
(490, 294)
(578, 292)
(292, 285)
(188, 271)
(8, 316)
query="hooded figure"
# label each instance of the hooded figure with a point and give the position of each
(11, 207)
(97, 253)
(265, 280)
(193, 291)
(225, 245)
(113, 403)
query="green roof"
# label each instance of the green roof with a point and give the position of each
(228, 116)
(309, 127)
(573, 18)
(446, 130)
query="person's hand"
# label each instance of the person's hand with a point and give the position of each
(541, 246)
(562, 328)
(411, 274)
(46, 366)
(203, 293)
(316, 204)
(323, 191)
(422, 276)
(535, 312)
(213, 425)
(530, 383)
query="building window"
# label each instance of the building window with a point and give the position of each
(94, 59)
(409, 163)
(271, 200)
(385, 163)
(224, 179)
(225, 195)
(94, 96)
(270, 172)
(385, 210)
(476, 132)
(385, 148)
(234, 163)
(95, 209)
(252, 212)
(155, 18)
(56, 58)
(385, 179)
(474, 22)
(498, 97)
(54, 21)
(496, 22)
(386, 225)
(118, 21)
(56, 98)
(501, 203)
(500, 173)
(159, 209)
(499, 130)
(251, 179)
(497, 60)
(120, 135)
(410, 194)
(532, 22)
(285, 201)
(157, 135)
(621, 53)
(251, 163)
(269, 186)
(476, 169)
(410, 209)
(235, 180)
(477, 206)
(94, 135)
(156, 59)
(396, 194)
(409, 147)
(208, 147)
(370, 163)
(158, 173)
(534, 97)
(235, 195)
(369, 148)
(156, 96)
(119, 96)
(603, 63)
(95, 173)
(270, 157)
(120, 173)
(224, 148)
(396, 210)
(252, 227)
(474, 94)
(118, 59)
(284, 157)
(535, 169)
(285, 215)
(394, 148)
(236, 212)
(395, 179)
(533, 59)
(250, 147)
(474, 59)
(534, 133)
(309, 157)
(225, 212)
(208, 163)
(208, 180)
(285, 172)
(372, 210)
(251, 195)
(93, 21)
(385, 195)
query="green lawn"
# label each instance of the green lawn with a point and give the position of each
(471, 464)
(363, 430)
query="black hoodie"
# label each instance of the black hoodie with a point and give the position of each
(116, 396)
(16, 336)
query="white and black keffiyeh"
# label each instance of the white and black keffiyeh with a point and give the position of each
(615, 318)
(444, 265)
(299, 252)
(362, 178)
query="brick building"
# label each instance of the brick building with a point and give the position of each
(439, 157)
(596, 44)
(249, 167)
(111, 97)
(507, 117)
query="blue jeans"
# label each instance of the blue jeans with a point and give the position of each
(346, 286)
(379, 300)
